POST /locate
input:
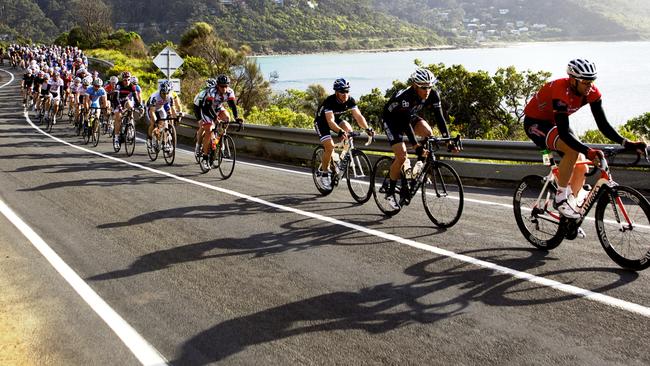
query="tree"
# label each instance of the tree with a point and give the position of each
(94, 18)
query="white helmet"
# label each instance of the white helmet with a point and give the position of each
(580, 68)
(86, 81)
(114, 79)
(423, 77)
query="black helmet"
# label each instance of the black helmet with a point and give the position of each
(223, 80)
(341, 84)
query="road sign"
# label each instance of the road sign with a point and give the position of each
(168, 61)
(175, 82)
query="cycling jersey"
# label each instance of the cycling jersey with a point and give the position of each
(331, 104)
(547, 115)
(55, 87)
(213, 103)
(111, 94)
(401, 113)
(126, 92)
(28, 80)
(95, 95)
(158, 102)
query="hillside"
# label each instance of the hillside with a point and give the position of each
(322, 25)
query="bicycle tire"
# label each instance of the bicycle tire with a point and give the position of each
(171, 142)
(152, 151)
(316, 161)
(95, 132)
(628, 246)
(380, 179)
(227, 156)
(48, 124)
(445, 201)
(86, 131)
(129, 139)
(543, 227)
(358, 174)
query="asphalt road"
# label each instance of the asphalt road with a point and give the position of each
(260, 269)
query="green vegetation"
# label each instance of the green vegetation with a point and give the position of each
(634, 129)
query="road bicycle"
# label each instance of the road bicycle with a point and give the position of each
(222, 154)
(165, 140)
(351, 164)
(126, 133)
(442, 190)
(92, 125)
(622, 214)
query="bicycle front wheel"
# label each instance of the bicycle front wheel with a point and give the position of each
(169, 150)
(226, 156)
(129, 139)
(48, 125)
(380, 181)
(536, 218)
(623, 227)
(96, 132)
(442, 194)
(316, 162)
(86, 131)
(358, 176)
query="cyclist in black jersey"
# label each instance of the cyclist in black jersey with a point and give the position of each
(328, 118)
(400, 117)
(26, 84)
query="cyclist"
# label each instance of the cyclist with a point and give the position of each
(156, 110)
(96, 97)
(546, 122)
(55, 87)
(213, 110)
(26, 85)
(328, 118)
(198, 105)
(400, 117)
(127, 96)
(36, 89)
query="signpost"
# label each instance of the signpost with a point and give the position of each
(168, 61)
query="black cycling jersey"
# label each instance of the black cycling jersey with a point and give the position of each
(38, 82)
(28, 80)
(332, 104)
(401, 112)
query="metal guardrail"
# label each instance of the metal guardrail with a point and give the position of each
(105, 63)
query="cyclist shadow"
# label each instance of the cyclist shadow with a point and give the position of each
(75, 167)
(384, 307)
(103, 182)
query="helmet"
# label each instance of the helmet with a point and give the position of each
(580, 68)
(423, 77)
(125, 75)
(86, 81)
(166, 87)
(113, 79)
(77, 80)
(46, 76)
(211, 83)
(223, 80)
(341, 84)
(134, 79)
(98, 82)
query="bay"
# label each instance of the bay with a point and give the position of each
(623, 71)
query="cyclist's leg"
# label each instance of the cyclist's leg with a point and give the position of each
(206, 126)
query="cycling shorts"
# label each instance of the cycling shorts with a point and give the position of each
(395, 131)
(323, 129)
(543, 133)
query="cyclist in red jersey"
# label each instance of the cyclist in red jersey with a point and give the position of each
(546, 122)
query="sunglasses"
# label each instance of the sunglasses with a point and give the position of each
(585, 82)
(346, 91)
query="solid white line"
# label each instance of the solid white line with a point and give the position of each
(573, 290)
(8, 82)
(141, 349)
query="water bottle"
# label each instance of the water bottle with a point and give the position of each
(336, 157)
(546, 157)
(417, 168)
(406, 169)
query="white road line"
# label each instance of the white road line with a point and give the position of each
(8, 82)
(141, 349)
(573, 290)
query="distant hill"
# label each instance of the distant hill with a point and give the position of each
(316, 25)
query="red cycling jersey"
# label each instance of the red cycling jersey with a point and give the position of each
(541, 105)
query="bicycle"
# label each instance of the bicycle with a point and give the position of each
(92, 127)
(165, 141)
(442, 190)
(353, 164)
(127, 133)
(222, 152)
(620, 211)
(81, 120)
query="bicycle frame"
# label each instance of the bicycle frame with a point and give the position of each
(347, 146)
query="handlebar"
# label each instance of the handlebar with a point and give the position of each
(611, 153)
(455, 140)
(354, 134)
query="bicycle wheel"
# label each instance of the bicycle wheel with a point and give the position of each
(170, 142)
(358, 176)
(226, 155)
(48, 123)
(623, 227)
(129, 139)
(442, 194)
(86, 130)
(95, 132)
(316, 162)
(154, 149)
(380, 180)
(541, 224)
(70, 115)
